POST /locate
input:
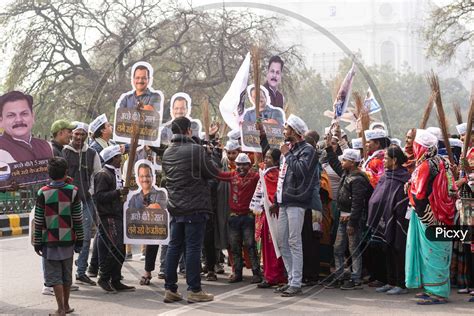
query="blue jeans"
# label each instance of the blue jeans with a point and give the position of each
(242, 232)
(191, 234)
(340, 246)
(290, 226)
(87, 218)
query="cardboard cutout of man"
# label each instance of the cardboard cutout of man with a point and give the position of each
(274, 74)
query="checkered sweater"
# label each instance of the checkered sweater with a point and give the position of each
(58, 216)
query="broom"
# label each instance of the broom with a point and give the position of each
(255, 53)
(457, 112)
(427, 112)
(467, 138)
(363, 117)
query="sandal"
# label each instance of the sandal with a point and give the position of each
(422, 295)
(145, 280)
(432, 301)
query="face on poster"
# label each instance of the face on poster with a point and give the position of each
(23, 158)
(180, 105)
(151, 115)
(146, 219)
(273, 119)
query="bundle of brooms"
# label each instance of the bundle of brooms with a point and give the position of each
(363, 119)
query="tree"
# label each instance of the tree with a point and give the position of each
(449, 27)
(80, 59)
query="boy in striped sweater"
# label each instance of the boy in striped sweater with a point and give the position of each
(58, 231)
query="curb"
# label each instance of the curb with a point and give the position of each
(14, 224)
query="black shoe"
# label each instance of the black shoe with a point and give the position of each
(120, 287)
(92, 273)
(235, 278)
(264, 285)
(85, 280)
(334, 284)
(256, 278)
(105, 285)
(351, 285)
(219, 268)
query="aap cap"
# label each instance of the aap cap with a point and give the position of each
(462, 128)
(396, 141)
(232, 145)
(454, 142)
(375, 134)
(436, 131)
(378, 125)
(80, 125)
(357, 143)
(297, 124)
(425, 138)
(110, 152)
(234, 134)
(101, 119)
(242, 158)
(351, 154)
(60, 125)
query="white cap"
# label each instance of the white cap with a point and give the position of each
(232, 145)
(326, 130)
(375, 134)
(351, 154)
(234, 134)
(436, 131)
(297, 124)
(110, 152)
(454, 142)
(425, 138)
(80, 125)
(95, 124)
(396, 141)
(242, 158)
(357, 143)
(462, 128)
(378, 125)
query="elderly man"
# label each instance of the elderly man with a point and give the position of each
(294, 195)
(17, 120)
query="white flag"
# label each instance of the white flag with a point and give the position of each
(232, 104)
(370, 103)
(344, 94)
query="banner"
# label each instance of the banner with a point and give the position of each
(233, 102)
(344, 94)
(146, 219)
(371, 103)
(251, 136)
(149, 117)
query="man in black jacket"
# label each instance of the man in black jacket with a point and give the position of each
(294, 195)
(109, 195)
(187, 168)
(352, 201)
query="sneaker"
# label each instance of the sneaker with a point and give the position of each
(397, 291)
(142, 257)
(211, 276)
(281, 289)
(201, 296)
(256, 278)
(120, 287)
(383, 289)
(264, 285)
(161, 275)
(234, 278)
(106, 286)
(292, 291)
(171, 297)
(74, 288)
(351, 285)
(464, 291)
(47, 290)
(84, 279)
(219, 268)
(92, 273)
(334, 284)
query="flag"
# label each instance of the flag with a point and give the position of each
(232, 104)
(344, 94)
(370, 103)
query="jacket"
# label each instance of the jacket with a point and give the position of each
(241, 189)
(300, 176)
(106, 195)
(82, 165)
(354, 190)
(187, 167)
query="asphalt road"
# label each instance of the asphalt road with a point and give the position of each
(21, 284)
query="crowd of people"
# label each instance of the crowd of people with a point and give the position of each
(326, 211)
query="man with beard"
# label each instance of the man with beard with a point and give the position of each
(274, 73)
(17, 120)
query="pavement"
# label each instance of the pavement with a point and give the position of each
(21, 285)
